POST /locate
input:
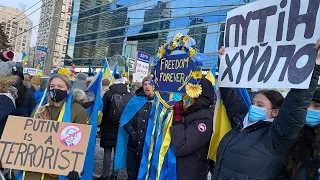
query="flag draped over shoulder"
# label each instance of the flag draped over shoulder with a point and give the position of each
(121, 149)
(158, 159)
(95, 87)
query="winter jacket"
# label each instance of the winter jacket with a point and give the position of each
(137, 127)
(78, 115)
(109, 130)
(258, 151)
(25, 108)
(191, 138)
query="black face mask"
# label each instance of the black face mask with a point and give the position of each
(58, 95)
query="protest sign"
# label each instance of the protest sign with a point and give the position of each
(269, 44)
(141, 66)
(44, 146)
(17, 57)
(173, 73)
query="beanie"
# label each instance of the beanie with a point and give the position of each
(6, 68)
(145, 79)
(6, 55)
(80, 82)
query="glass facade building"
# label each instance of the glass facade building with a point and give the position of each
(106, 28)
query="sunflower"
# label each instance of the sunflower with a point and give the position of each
(192, 52)
(193, 90)
(165, 45)
(64, 71)
(161, 52)
(197, 75)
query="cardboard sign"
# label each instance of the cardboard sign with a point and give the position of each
(44, 146)
(173, 72)
(269, 44)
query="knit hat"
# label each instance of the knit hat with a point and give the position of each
(6, 68)
(6, 55)
(80, 82)
(145, 79)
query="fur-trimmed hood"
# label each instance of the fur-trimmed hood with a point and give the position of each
(78, 95)
(7, 81)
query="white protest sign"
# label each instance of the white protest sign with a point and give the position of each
(142, 69)
(269, 44)
(17, 57)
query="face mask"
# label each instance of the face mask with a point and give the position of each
(256, 113)
(58, 95)
(313, 118)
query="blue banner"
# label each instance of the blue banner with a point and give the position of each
(173, 73)
(142, 56)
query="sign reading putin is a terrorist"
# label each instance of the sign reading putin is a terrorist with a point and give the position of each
(43, 146)
(173, 72)
(270, 44)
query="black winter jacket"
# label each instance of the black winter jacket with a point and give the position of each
(258, 151)
(191, 138)
(26, 107)
(137, 127)
(109, 130)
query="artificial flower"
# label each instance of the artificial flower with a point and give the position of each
(197, 75)
(192, 52)
(184, 40)
(64, 71)
(161, 52)
(193, 90)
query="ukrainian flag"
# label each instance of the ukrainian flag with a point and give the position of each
(25, 57)
(113, 73)
(93, 121)
(126, 69)
(211, 75)
(106, 69)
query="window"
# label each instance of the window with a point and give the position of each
(23, 44)
(20, 29)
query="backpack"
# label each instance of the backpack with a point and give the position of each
(117, 105)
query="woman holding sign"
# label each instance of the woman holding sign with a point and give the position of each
(256, 147)
(59, 87)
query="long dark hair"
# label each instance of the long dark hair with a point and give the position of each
(307, 142)
(274, 97)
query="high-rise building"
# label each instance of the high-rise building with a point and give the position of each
(17, 27)
(45, 27)
(148, 25)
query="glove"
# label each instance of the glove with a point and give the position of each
(132, 142)
(74, 175)
(178, 111)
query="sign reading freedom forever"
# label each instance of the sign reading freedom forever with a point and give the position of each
(44, 145)
(270, 44)
(173, 72)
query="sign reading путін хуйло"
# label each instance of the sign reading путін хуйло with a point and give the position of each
(172, 73)
(44, 146)
(269, 44)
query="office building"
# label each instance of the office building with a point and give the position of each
(45, 30)
(109, 28)
(17, 28)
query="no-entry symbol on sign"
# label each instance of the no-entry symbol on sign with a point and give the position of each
(70, 136)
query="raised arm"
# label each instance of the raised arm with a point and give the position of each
(292, 115)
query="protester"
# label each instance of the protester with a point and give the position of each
(303, 159)
(191, 134)
(27, 82)
(35, 81)
(257, 145)
(137, 128)
(59, 87)
(40, 91)
(105, 86)
(114, 102)
(25, 102)
(8, 93)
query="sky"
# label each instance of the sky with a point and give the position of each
(24, 5)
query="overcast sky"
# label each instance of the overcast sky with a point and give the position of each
(24, 5)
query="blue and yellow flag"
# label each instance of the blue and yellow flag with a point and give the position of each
(113, 73)
(25, 57)
(93, 121)
(211, 75)
(106, 69)
(126, 69)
